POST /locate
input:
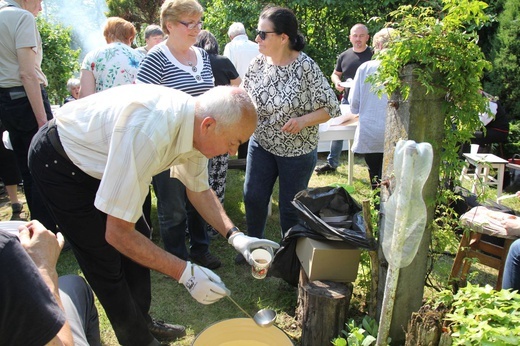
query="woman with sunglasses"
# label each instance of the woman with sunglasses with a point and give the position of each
(177, 64)
(292, 97)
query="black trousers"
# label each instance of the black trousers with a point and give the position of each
(374, 162)
(18, 118)
(9, 172)
(122, 286)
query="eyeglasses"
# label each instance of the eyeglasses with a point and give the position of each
(192, 26)
(263, 34)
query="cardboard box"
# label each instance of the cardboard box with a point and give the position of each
(328, 260)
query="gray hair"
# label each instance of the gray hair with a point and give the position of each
(153, 30)
(236, 29)
(228, 105)
(71, 83)
(382, 38)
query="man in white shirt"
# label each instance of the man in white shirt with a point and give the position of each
(240, 50)
(94, 164)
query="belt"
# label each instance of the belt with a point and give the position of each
(54, 138)
(17, 88)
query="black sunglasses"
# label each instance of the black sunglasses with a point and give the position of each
(263, 34)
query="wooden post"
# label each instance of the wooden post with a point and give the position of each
(322, 309)
(374, 262)
(419, 118)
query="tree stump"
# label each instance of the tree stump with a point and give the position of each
(426, 328)
(322, 309)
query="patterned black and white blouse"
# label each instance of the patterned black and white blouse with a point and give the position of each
(284, 92)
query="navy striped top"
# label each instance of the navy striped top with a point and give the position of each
(161, 67)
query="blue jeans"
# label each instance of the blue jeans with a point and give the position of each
(511, 277)
(336, 147)
(262, 170)
(175, 213)
(335, 153)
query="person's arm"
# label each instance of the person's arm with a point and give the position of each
(211, 210)
(124, 238)
(203, 285)
(87, 83)
(31, 83)
(236, 82)
(295, 125)
(354, 96)
(335, 77)
(44, 249)
(209, 207)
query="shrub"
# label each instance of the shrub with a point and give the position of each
(60, 61)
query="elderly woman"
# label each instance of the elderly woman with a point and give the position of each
(113, 64)
(73, 85)
(292, 97)
(176, 63)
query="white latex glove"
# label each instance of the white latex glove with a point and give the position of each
(245, 244)
(204, 285)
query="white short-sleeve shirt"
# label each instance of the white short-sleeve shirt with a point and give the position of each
(126, 135)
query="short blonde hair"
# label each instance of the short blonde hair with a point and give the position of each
(173, 10)
(118, 30)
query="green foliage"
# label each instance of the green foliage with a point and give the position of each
(482, 316)
(138, 12)
(441, 45)
(505, 78)
(513, 145)
(325, 24)
(59, 60)
(364, 334)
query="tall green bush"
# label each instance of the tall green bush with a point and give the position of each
(60, 62)
(505, 77)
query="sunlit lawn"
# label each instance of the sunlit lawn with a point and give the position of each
(172, 303)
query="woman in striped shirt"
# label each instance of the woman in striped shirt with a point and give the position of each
(176, 63)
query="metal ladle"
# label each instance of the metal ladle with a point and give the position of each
(263, 318)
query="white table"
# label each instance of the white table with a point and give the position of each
(483, 163)
(344, 131)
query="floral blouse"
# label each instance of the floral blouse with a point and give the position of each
(283, 92)
(112, 65)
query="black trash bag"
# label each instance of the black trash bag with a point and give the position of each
(309, 204)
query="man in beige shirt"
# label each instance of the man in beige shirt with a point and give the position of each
(94, 164)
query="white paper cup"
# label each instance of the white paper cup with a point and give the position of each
(261, 262)
(474, 149)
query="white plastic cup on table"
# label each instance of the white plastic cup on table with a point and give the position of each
(474, 149)
(261, 262)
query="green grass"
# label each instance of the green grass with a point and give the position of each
(172, 303)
